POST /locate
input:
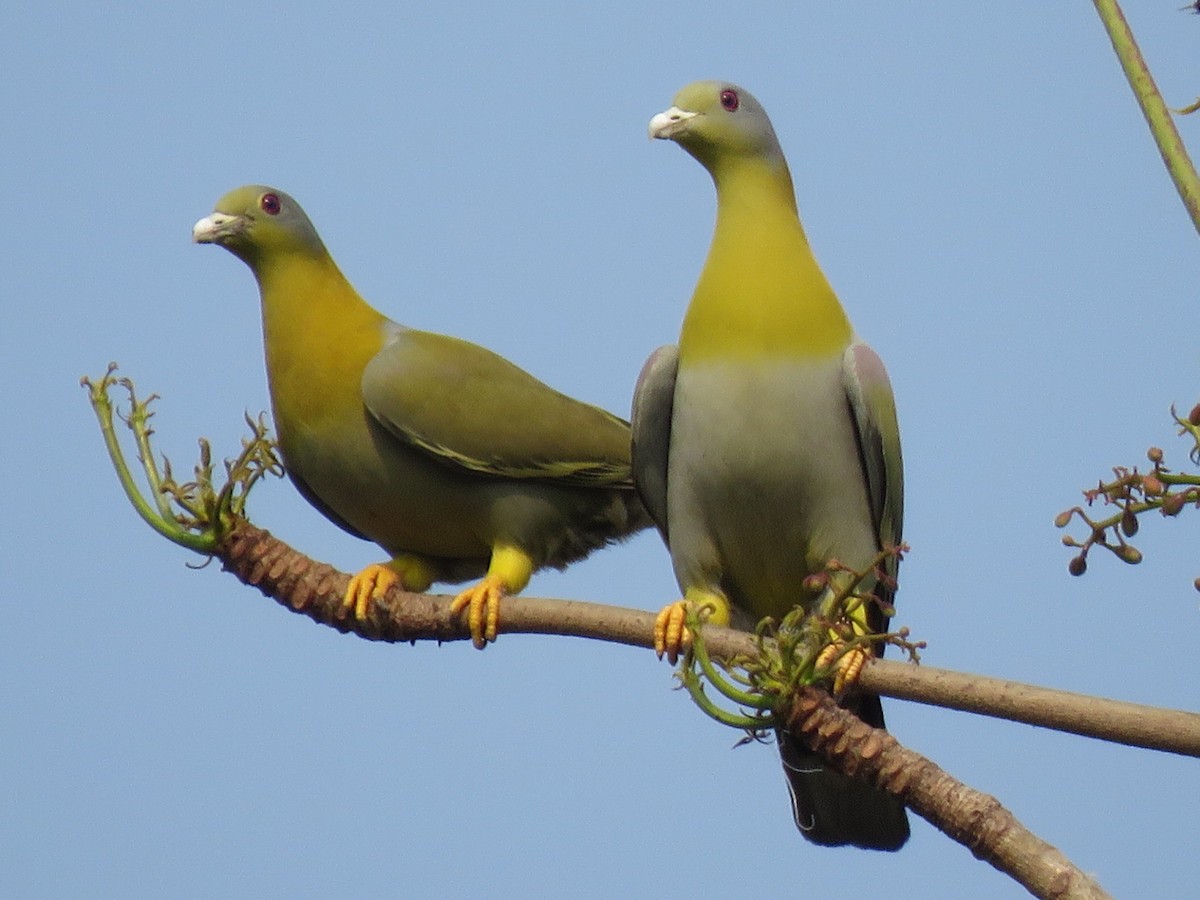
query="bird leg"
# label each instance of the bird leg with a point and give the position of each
(847, 663)
(411, 572)
(671, 635)
(373, 581)
(482, 602)
(508, 572)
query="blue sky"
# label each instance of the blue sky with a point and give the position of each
(979, 187)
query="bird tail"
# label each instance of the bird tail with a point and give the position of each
(834, 809)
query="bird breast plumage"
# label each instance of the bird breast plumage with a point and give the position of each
(765, 480)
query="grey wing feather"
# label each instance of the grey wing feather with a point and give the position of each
(653, 403)
(869, 393)
(873, 407)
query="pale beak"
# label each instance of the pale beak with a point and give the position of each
(670, 122)
(215, 227)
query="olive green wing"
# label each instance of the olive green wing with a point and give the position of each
(474, 410)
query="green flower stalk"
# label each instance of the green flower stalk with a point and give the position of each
(196, 514)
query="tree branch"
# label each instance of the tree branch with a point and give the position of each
(316, 590)
(976, 820)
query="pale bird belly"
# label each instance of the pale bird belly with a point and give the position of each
(765, 482)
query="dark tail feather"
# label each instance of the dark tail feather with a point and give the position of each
(835, 810)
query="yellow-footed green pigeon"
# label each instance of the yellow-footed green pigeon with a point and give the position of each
(457, 462)
(766, 443)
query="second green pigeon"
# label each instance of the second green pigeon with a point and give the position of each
(766, 443)
(458, 463)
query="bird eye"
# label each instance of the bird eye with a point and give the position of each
(729, 100)
(270, 204)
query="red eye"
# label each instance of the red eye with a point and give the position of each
(729, 100)
(270, 204)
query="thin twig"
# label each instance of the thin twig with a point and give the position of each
(1158, 117)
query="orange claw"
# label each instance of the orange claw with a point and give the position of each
(373, 581)
(671, 636)
(848, 664)
(482, 603)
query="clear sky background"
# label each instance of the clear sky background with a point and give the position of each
(981, 190)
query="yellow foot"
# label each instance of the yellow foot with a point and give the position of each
(848, 664)
(373, 581)
(482, 603)
(671, 636)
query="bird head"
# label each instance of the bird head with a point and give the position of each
(716, 122)
(256, 222)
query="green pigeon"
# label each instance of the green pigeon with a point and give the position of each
(766, 443)
(459, 464)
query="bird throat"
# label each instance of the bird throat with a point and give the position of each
(319, 335)
(761, 293)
